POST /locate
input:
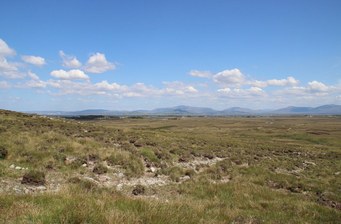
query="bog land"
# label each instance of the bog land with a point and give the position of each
(170, 169)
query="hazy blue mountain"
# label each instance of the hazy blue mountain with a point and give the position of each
(204, 111)
(325, 109)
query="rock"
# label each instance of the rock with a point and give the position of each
(84, 165)
(41, 188)
(337, 173)
(119, 187)
(12, 166)
(120, 175)
(153, 169)
(184, 178)
(18, 168)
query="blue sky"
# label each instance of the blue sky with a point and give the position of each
(74, 55)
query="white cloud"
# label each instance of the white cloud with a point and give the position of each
(97, 63)
(178, 88)
(10, 70)
(241, 93)
(5, 50)
(289, 81)
(201, 74)
(34, 60)
(32, 75)
(35, 84)
(104, 85)
(232, 77)
(69, 61)
(71, 74)
(4, 85)
(316, 86)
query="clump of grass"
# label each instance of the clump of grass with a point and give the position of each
(131, 163)
(78, 162)
(100, 169)
(174, 172)
(34, 177)
(149, 155)
(84, 184)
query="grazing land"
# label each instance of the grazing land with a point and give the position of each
(170, 169)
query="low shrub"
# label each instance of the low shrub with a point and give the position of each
(138, 189)
(100, 169)
(3, 152)
(34, 177)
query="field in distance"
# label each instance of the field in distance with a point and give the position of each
(170, 169)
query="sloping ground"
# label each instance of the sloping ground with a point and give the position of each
(170, 170)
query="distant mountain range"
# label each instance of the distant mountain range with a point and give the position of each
(203, 111)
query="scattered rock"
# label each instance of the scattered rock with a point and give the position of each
(18, 168)
(139, 189)
(12, 166)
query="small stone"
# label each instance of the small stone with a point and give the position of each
(337, 173)
(119, 187)
(41, 188)
(184, 178)
(120, 175)
(12, 166)
(18, 168)
(84, 165)
(153, 169)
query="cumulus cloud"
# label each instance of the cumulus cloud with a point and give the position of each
(5, 50)
(35, 84)
(10, 70)
(289, 81)
(97, 63)
(201, 74)
(32, 75)
(104, 85)
(233, 77)
(316, 86)
(34, 60)
(241, 93)
(178, 88)
(71, 74)
(69, 61)
(4, 85)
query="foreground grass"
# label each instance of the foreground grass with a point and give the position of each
(198, 203)
(271, 170)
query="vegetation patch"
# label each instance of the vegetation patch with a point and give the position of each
(34, 177)
(3, 152)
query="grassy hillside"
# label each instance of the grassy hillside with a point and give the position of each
(170, 170)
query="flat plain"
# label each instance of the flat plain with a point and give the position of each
(170, 169)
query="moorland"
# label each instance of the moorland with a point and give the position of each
(170, 169)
